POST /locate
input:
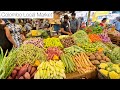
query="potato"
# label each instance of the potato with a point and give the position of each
(102, 55)
(96, 54)
(104, 58)
(96, 62)
(103, 61)
(92, 57)
(108, 60)
(98, 57)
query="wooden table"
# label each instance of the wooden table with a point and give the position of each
(76, 75)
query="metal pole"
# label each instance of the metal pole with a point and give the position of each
(88, 17)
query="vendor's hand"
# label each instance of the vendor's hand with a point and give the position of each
(69, 33)
(15, 46)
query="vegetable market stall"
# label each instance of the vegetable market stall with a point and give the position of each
(65, 57)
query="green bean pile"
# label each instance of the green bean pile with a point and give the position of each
(29, 53)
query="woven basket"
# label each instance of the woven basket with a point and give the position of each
(90, 75)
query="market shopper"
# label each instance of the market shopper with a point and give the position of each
(117, 25)
(65, 30)
(103, 22)
(15, 31)
(6, 40)
(28, 26)
(74, 24)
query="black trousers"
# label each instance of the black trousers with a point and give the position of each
(73, 31)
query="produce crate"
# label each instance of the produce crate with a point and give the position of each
(90, 75)
(101, 76)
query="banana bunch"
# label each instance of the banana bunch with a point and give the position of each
(50, 70)
(68, 63)
(52, 42)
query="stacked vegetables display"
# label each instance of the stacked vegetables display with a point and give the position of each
(94, 37)
(7, 63)
(29, 53)
(27, 71)
(99, 45)
(52, 58)
(67, 42)
(53, 53)
(110, 70)
(52, 42)
(97, 58)
(81, 38)
(73, 50)
(35, 41)
(50, 70)
(115, 55)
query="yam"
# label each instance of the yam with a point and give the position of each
(27, 75)
(96, 54)
(88, 54)
(21, 77)
(98, 57)
(14, 73)
(32, 76)
(102, 55)
(9, 77)
(29, 68)
(104, 58)
(32, 70)
(103, 61)
(23, 70)
(17, 68)
(92, 57)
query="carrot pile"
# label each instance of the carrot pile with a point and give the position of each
(94, 37)
(83, 64)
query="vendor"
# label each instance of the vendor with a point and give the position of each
(103, 22)
(74, 24)
(28, 26)
(65, 30)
